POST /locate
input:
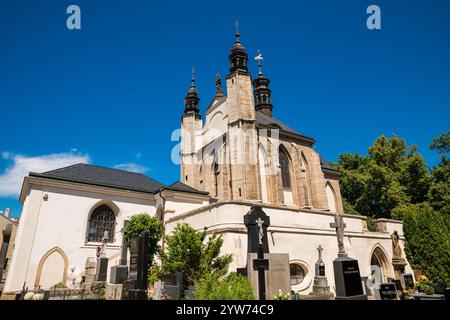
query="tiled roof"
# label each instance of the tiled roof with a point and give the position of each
(273, 122)
(108, 177)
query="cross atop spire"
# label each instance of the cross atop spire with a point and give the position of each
(259, 58)
(237, 33)
(193, 78)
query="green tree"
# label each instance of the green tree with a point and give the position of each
(193, 253)
(232, 287)
(439, 194)
(441, 144)
(143, 222)
(427, 244)
(391, 175)
(393, 181)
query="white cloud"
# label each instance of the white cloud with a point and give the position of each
(12, 178)
(133, 167)
(138, 154)
(6, 155)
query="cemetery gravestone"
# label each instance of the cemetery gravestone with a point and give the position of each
(173, 286)
(268, 272)
(407, 281)
(118, 272)
(102, 261)
(387, 291)
(135, 287)
(276, 275)
(89, 273)
(320, 287)
(347, 277)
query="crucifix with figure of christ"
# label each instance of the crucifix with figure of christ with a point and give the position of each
(339, 225)
(260, 263)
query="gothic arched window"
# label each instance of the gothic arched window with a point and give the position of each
(216, 179)
(285, 174)
(102, 219)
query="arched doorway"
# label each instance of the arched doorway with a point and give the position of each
(380, 259)
(52, 269)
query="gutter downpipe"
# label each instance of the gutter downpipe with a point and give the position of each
(162, 217)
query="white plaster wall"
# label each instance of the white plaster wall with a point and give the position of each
(61, 221)
(298, 233)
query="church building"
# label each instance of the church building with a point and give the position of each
(236, 156)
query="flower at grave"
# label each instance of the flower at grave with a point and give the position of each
(38, 296)
(28, 296)
(281, 296)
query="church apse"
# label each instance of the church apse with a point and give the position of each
(238, 122)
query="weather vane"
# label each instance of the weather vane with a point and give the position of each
(259, 58)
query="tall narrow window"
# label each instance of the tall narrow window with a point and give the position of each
(216, 179)
(331, 197)
(102, 219)
(285, 174)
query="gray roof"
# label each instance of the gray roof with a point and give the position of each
(327, 165)
(107, 177)
(180, 186)
(275, 123)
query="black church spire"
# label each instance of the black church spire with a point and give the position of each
(262, 93)
(238, 57)
(192, 100)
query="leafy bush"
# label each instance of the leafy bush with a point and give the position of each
(424, 285)
(143, 222)
(231, 287)
(59, 285)
(189, 251)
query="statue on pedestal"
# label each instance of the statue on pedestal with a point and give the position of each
(398, 261)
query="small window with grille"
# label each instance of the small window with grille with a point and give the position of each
(102, 219)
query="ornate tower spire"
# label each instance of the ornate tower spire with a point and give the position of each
(237, 32)
(192, 100)
(219, 91)
(238, 57)
(262, 93)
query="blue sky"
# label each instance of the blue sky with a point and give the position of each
(112, 92)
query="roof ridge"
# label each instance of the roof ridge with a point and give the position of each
(59, 169)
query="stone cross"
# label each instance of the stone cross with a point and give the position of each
(260, 223)
(339, 225)
(320, 249)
